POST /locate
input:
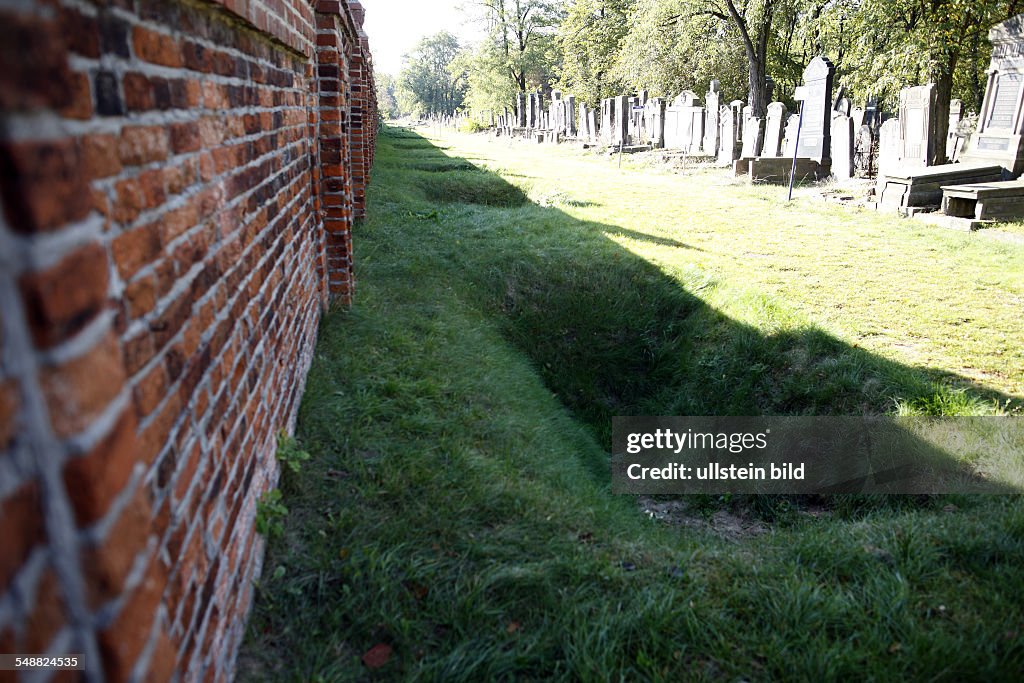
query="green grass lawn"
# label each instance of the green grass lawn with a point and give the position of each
(511, 299)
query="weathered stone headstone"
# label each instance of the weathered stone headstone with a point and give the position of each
(816, 113)
(654, 121)
(917, 125)
(752, 136)
(711, 128)
(570, 116)
(792, 125)
(843, 106)
(773, 129)
(863, 152)
(857, 114)
(842, 146)
(890, 149)
(728, 151)
(620, 134)
(592, 125)
(1001, 121)
(520, 110)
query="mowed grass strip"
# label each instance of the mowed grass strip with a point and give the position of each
(457, 507)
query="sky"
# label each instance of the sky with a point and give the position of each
(395, 26)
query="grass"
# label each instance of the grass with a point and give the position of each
(457, 507)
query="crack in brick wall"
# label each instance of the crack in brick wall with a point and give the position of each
(179, 184)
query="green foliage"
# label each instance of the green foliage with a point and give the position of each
(472, 126)
(289, 453)
(387, 95)
(428, 84)
(271, 514)
(589, 39)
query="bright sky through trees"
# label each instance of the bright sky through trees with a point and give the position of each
(395, 26)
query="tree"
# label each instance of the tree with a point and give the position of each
(671, 47)
(521, 34)
(427, 84)
(387, 95)
(889, 44)
(590, 39)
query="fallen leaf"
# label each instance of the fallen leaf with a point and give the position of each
(895, 647)
(418, 590)
(344, 553)
(512, 627)
(377, 656)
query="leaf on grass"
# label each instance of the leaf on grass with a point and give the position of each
(344, 553)
(418, 590)
(895, 647)
(512, 627)
(377, 656)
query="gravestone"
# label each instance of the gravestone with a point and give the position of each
(890, 149)
(843, 106)
(863, 152)
(872, 116)
(592, 125)
(842, 146)
(773, 130)
(728, 151)
(570, 115)
(520, 110)
(620, 134)
(918, 125)
(816, 113)
(857, 114)
(789, 144)
(711, 128)
(956, 112)
(654, 122)
(752, 136)
(1000, 135)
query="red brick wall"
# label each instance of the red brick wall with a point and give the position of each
(179, 181)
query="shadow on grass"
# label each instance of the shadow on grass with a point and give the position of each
(445, 514)
(612, 335)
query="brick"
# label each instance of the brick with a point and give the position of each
(156, 48)
(162, 662)
(150, 390)
(21, 527)
(78, 391)
(108, 565)
(143, 145)
(47, 615)
(63, 299)
(99, 156)
(34, 59)
(140, 296)
(79, 105)
(185, 137)
(94, 479)
(134, 249)
(138, 92)
(10, 406)
(122, 642)
(42, 186)
(108, 94)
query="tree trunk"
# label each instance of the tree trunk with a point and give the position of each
(943, 95)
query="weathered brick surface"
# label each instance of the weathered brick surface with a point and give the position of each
(179, 184)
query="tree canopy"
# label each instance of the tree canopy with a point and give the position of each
(599, 48)
(431, 82)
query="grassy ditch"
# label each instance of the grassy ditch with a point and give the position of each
(455, 520)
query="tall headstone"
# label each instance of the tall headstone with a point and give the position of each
(844, 106)
(711, 128)
(816, 95)
(654, 121)
(570, 116)
(918, 125)
(1000, 135)
(520, 110)
(890, 149)
(620, 135)
(728, 151)
(773, 129)
(752, 136)
(592, 126)
(842, 146)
